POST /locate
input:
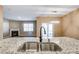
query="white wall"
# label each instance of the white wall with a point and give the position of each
(5, 28)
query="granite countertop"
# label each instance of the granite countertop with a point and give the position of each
(68, 45)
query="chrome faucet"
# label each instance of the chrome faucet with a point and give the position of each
(41, 33)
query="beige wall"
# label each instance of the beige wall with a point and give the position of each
(19, 25)
(70, 24)
(57, 27)
(1, 22)
(14, 24)
(22, 33)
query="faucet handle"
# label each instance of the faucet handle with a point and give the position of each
(48, 40)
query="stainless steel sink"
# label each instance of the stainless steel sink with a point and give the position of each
(40, 46)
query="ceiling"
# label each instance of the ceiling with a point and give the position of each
(30, 12)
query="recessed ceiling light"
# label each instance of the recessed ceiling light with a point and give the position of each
(54, 11)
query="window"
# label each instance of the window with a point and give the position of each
(28, 26)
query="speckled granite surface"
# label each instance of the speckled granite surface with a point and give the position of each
(11, 45)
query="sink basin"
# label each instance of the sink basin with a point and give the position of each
(46, 46)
